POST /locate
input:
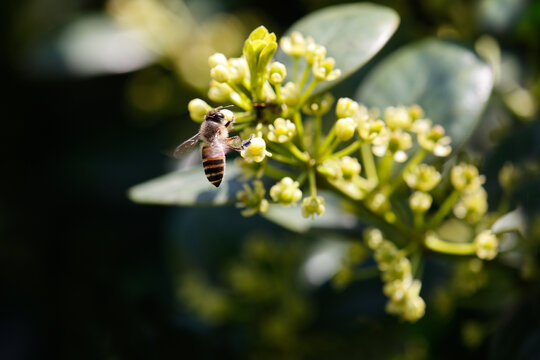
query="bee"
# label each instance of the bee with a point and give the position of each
(214, 134)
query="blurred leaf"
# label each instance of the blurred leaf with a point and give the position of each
(90, 45)
(188, 188)
(333, 218)
(512, 221)
(447, 80)
(352, 34)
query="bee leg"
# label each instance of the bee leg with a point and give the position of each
(233, 141)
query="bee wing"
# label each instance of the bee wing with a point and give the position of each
(186, 146)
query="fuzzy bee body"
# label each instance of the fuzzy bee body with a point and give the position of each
(213, 163)
(214, 134)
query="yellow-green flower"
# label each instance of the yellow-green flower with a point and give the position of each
(472, 205)
(331, 168)
(378, 202)
(314, 52)
(197, 109)
(256, 151)
(373, 131)
(465, 177)
(395, 144)
(350, 167)
(319, 105)
(277, 74)
(345, 128)
(220, 73)
(294, 45)
(397, 118)
(217, 59)
(373, 238)
(290, 93)
(422, 177)
(252, 200)
(238, 70)
(219, 92)
(486, 245)
(323, 70)
(435, 142)
(281, 131)
(420, 202)
(312, 205)
(415, 112)
(286, 192)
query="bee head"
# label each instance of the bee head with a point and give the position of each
(215, 116)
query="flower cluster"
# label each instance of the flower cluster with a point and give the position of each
(396, 272)
(374, 158)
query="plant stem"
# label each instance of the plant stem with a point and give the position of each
(296, 63)
(446, 247)
(284, 159)
(386, 167)
(302, 156)
(328, 140)
(445, 208)
(304, 77)
(418, 220)
(415, 160)
(276, 173)
(299, 128)
(369, 163)
(317, 135)
(238, 90)
(346, 151)
(306, 95)
(277, 88)
(312, 182)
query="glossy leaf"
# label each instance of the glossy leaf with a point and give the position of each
(352, 34)
(512, 221)
(291, 218)
(188, 188)
(450, 82)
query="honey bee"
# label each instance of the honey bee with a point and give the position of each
(214, 133)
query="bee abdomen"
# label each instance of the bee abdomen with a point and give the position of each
(214, 165)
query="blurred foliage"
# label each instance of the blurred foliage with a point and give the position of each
(117, 280)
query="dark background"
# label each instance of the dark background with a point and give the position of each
(87, 274)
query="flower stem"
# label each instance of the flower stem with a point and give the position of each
(302, 156)
(386, 167)
(296, 63)
(306, 95)
(299, 128)
(277, 88)
(304, 76)
(446, 247)
(369, 162)
(415, 160)
(275, 172)
(328, 140)
(312, 182)
(317, 136)
(284, 159)
(445, 208)
(418, 220)
(344, 152)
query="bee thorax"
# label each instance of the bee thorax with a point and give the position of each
(211, 131)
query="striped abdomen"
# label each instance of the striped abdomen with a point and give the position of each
(214, 163)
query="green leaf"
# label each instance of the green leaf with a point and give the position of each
(450, 82)
(188, 188)
(512, 221)
(352, 34)
(334, 217)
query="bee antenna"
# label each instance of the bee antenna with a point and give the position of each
(223, 107)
